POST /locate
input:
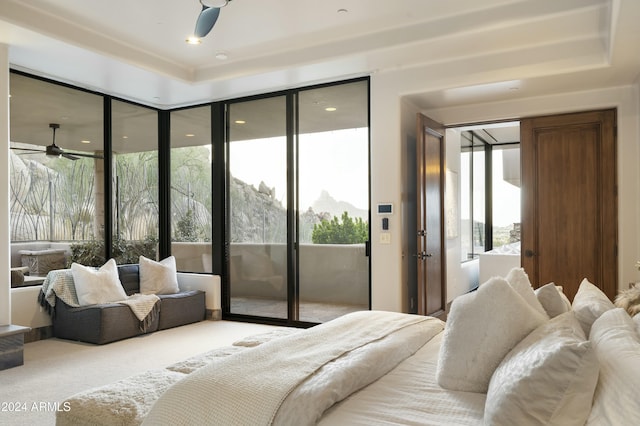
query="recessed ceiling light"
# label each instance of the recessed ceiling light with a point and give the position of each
(222, 56)
(125, 137)
(240, 122)
(193, 40)
(342, 11)
(189, 135)
(330, 109)
(85, 141)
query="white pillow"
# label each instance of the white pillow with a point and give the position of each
(551, 299)
(547, 379)
(519, 280)
(617, 346)
(158, 277)
(95, 286)
(481, 328)
(636, 318)
(589, 303)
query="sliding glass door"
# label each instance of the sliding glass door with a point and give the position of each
(298, 204)
(333, 205)
(257, 198)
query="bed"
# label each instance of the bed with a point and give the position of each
(526, 359)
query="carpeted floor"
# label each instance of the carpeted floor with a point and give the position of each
(55, 369)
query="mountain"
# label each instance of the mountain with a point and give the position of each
(326, 203)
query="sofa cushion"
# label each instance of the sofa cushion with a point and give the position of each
(130, 278)
(158, 277)
(97, 286)
(98, 324)
(181, 308)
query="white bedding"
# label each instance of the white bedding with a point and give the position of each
(356, 344)
(409, 395)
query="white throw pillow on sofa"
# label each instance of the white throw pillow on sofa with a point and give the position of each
(482, 327)
(552, 300)
(158, 277)
(547, 379)
(95, 286)
(617, 346)
(589, 303)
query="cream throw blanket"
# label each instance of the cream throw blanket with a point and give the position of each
(60, 283)
(249, 387)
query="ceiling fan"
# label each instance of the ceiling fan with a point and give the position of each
(208, 16)
(55, 150)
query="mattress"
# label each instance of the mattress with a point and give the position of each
(409, 395)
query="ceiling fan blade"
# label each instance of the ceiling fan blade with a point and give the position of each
(79, 154)
(206, 20)
(69, 156)
(27, 149)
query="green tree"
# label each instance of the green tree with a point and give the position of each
(336, 231)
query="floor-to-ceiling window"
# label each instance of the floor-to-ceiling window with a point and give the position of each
(56, 151)
(271, 192)
(333, 200)
(298, 197)
(489, 189)
(257, 199)
(135, 182)
(191, 191)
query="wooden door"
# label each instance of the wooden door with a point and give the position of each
(569, 201)
(431, 271)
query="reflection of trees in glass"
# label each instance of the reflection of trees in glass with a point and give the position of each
(137, 195)
(191, 196)
(51, 198)
(340, 231)
(75, 200)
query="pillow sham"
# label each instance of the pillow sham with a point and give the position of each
(617, 347)
(481, 328)
(589, 303)
(519, 280)
(95, 286)
(158, 277)
(548, 379)
(551, 300)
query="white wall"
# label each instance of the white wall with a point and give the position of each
(5, 253)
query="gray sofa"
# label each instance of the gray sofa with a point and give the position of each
(105, 323)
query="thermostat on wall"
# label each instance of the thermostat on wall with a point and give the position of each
(385, 208)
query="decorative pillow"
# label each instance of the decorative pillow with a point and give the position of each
(94, 286)
(547, 379)
(482, 327)
(589, 303)
(158, 277)
(519, 280)
(552, 301)
(617, 346)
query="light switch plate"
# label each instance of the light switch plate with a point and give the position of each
(385, 238)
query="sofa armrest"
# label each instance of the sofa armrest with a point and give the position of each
(210, 284)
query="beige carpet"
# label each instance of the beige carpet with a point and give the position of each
(55, 369)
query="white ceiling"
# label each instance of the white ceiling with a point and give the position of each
(463, 51)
